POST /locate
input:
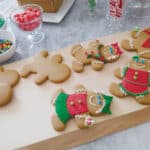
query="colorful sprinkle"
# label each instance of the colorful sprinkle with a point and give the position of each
(5, 45)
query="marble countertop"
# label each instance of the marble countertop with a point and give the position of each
(77, 26)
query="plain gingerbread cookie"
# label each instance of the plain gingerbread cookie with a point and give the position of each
(47, 68)
(135, 80)
(96, 55)
(8, 79)
(139, 43)
(81, 105)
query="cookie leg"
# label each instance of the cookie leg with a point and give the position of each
(144, 100)
(128, 45)
(84, 121)
(115, 90)
(41, 78)
(1, 69)
(77, 66)
(97, 65)
(57, 124)
(56, 58)
(118, 73)
(56, 94)
(5, 94)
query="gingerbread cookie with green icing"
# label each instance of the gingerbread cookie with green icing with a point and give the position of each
(8, 80)
(96, 55)
(135, 80)
(81, 105)
(47, 68)
(140, 42)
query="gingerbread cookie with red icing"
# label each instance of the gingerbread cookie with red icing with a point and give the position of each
(135, 80)
(81, 105)
(140, 42)
(96, 55)
(47, 68)
(8, 79)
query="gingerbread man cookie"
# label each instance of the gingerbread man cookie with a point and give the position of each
(96, 54)
(47, 67)
(8, 79)
(135, 80)
(79, 105)
(140, 42)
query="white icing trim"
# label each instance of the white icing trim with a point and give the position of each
(144, 52)
(82, 90)
(136, 66)
(138, 33)
(79, 116)
(113, 57)
(131, 44)
(121, 72)
(140, 96)
(79, 62)
(97, 62)
(123, 91)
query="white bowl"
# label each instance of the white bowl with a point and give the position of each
(4, 25)
(10, 52)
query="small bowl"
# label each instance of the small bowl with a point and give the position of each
(31, 25)
(4, 25)
(10, 52)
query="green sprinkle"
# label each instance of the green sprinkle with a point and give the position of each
(136, 29)
(2, 21)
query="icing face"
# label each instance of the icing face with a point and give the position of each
(140, 64)
(110, 53)
(95, 103)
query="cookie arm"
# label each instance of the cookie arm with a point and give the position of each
(128, 45)
(121, 72)
(41, 78)
(26, 71)
(55, 95)
(84, 121)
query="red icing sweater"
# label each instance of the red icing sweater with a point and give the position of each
(135, 82)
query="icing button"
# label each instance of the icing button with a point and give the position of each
(79, 101)
(71, 103)
(136, 73)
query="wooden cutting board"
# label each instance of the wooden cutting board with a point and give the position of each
(25, 122)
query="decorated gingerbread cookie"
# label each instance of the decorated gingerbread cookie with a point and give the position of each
(8, 79)
(140, 42)
(135, 80)
(95, 55)
(79, 105)
(47, 67)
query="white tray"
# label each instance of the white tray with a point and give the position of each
(8, 5)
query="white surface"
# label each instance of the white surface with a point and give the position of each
(47, 17)
(10, 52)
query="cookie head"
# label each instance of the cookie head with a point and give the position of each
(140, 63)
(98, 103)
(80, 54)
(111, 52)
(142, 42)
